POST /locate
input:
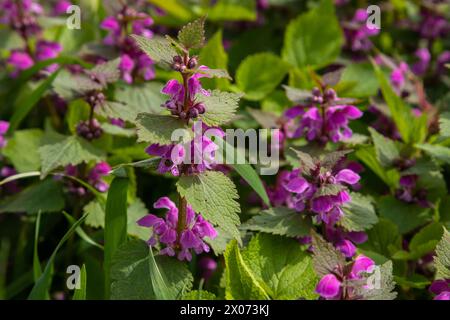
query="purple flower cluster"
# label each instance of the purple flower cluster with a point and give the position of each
(165, 230)
(89, 129)
(133, 62)
(344, 240)
(357, 33)
(21, 16)
(331, 286)
(181, 103)
(325, 119)
(441, 288)
(410, 193)
(189, 158)
(4, 126)
(433, 25)
(307, 189)
(94, 177)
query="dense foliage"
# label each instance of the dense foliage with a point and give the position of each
(355, 119)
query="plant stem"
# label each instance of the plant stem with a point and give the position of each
(181, 217)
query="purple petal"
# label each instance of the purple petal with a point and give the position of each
(329, 286)
(347, 176)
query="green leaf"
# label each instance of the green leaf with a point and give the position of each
(412, 129)
(153, 128)
(220, 107)
(384, 238)
(71, 150)
(214, 55)
(22, 150)
(351, 85)
(42, 286)
(359, 213)
(22, 108)
(115, 224)
(406, 216)
(241, 283)
(136, 275)
(442, 258)
(383, 285)
(158, 49)
(444, 124)
(385, 149)
(307, 42)
(423, 242)
(436, 151)
(44, 196)
(199, 295)
(233, 10)
(37, 270)
(80, 232)
(259, 74)
(279, 221)
(138, 98)
(326, 257)
(192, 35)
(214, 196)
(80, 294)
(282, 268)
(78, 110)
(368, 156)
(175, 8)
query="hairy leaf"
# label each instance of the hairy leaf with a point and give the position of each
(220, 107)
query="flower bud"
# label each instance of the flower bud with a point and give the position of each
(330, 94)
(193, 113)
(200, 108)
(192, 63)
(316, 92)
(178, 59)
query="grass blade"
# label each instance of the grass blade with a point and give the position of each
(42, 285)
(115, 224)
(83, 235)
(37, 270)
(80, 294)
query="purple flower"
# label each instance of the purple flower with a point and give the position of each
(165, 230)
(4, 126)
(433, 25)
(207, 265)
(306, 192)
(321, 122)
(329, 286)
(398, 76)
(61, 7)
(443, 59)
(19, 60)
(96, 174)
(133, 62)
(421, 66)
(176, 103)
(357, 33)
(441, 288)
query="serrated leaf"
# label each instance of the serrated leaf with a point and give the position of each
(220, 107)
(199, 295)
(71, 150)
(406, 216)
(298, 96)
(307, 162)
(259, 74)
(330, 160)
(279, 221)
(241, 283)
(22, 150)
(267, 120)
(359, 213)
(215, 73)
(45, 196)
(329, 190)
(442, 258)
(444, 124)
(107, 72)
(436, 151)
(326, 257)
(385, 149)
(380, 288)
(192, 35)
(332, 78)
(308, 43)
(214, 196)
(154, 128)
(132, 276)
(158, 49)
(282, 268)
